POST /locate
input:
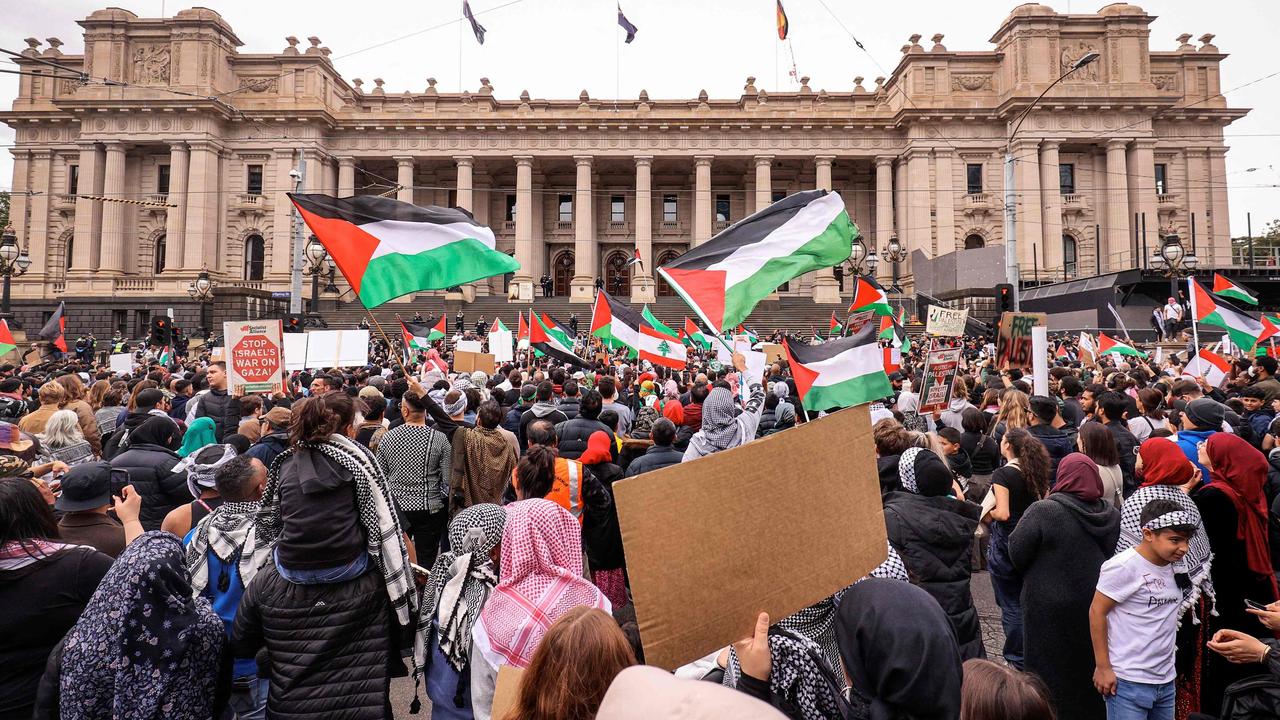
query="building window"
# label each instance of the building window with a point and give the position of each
(974, 241)
(722, 208)
(566, 208)
(142, 321)
(162, 179)
(778, 195)
(1067, 179)
(254, 255)
(73, 179)
(120, 321)
(254, 186)
(1068, 256)
(69, 253)
(1162, 179)
(973, 178)
(511, 208)
(157, 262)
(617, 209)
(670, 209)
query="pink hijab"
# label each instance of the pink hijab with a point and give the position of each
(540, 579)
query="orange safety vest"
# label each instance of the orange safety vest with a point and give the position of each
(566, 490)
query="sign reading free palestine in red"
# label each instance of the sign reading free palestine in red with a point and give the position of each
(254, 359)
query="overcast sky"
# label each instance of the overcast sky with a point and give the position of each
(557, 48)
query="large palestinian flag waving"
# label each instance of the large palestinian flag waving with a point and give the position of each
(615, 323)
(724, 278)
(386, 248)
(549, 342)
(840, 372)
(1243, 329)
(55, 331)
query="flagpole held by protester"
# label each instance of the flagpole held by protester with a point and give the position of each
(1195, 331)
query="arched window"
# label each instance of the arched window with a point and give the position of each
(974, 241)
(157, 262)
(254, 257)
(68, 252)
(1069, 257)
(665, 290)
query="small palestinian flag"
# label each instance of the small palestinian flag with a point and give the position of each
(419, 336)
(724, 278)
(55, 331)
(1228, 289)
(635, 260)
(546, 341)
(1111, 345)
(902, 315)
(835, 328)
(615, 323)
(752, 338)
(694, 334)
(386, 248)
(868, 295)
(783, 25)
(839, 373)
(165, 355)
(7, 343)
(661, 348)
(1243, 329)
(1061, 352)
(497, 326)
(1270, 328)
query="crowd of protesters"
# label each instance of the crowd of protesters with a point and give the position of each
(173, 548)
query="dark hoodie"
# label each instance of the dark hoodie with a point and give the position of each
(320, 525)
(539, 411)
(120, 441)
(1059, 444)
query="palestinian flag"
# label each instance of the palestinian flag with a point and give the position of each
(723, 278)
(751, 337)
(839, 373)
(1228, 289)
(7, 343)
(868, 295)
(1111, 345)
(1209, 365)
(1061, 352)
(1243, 329)
(165, 355)
(615, 323)
(835, 328)
(557, 328)
(661, 348)
(693, 334)
(546, 341)
(902, 315)
(55, 331)
(419, 336)
(386, 248)
(497, 326)
(656, 323)
(891, 331)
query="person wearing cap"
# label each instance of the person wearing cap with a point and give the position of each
(1201, 420)
(275, 435)
(84, 501)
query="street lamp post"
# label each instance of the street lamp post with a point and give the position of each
(201, 290)
(1173, 260)
(1010, 192)
(895, 253)
(13, 262)
(317, 259)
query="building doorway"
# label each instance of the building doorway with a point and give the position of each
(562, 273)
(974, 241)
(617, 274)
(665, 290)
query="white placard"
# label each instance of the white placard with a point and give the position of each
(122, 364)
(337, 348)
(295, 351)
(500, 346)
(946, 322)
(1040, 359)
(474, 346)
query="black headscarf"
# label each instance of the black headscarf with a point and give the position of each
(156, 431)
(900, 650)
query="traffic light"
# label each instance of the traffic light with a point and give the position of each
(293, 323)
(160, 335)
(1004, 297)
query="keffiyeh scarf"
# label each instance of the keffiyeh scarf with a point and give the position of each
(201, 475)
(796, 673)
(1199, 558)
(907, 470)
(718, 426)
(17, 554)
(232, 534)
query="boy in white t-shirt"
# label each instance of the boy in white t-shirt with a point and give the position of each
(1134, 617)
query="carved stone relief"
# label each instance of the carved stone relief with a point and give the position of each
(151, 64)
(1071, 52)
(1164, 82)
(258, 84)
(970, 83)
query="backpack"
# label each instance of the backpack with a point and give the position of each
(1255, 698)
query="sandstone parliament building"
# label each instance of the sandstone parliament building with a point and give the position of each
(200, 135)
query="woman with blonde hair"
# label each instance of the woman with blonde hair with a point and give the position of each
(1015, 412)
(75, 401)
(63, 440)
(572, 668)
(52, 395)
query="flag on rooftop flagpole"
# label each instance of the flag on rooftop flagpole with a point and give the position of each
(476, 28)
(783, 25)
(55, 331)
(1226, 288)
(868, 295)
(546, 341)
(386, 248)
(1243, 329)
(616, 324)
(625, 24)
(724, 278)
(1111, 345)
(7, 343)
(840, 372)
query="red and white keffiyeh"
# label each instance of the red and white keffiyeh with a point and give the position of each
(541, 579)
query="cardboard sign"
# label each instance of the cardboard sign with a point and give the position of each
(939, 376)
(295, 351)
(946, 322)
(255, 359)
(1013, 344)
(500, 346)
(464, 361)
(772, 352)
(122, 364)
(337, 348)
(691, 599)
(506, 690)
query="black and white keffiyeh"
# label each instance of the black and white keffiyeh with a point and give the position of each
(1199, 558)
(1177, 518)
(231, 532)
(891, 569)
(805, 654)
(200, 475)
(907, 469)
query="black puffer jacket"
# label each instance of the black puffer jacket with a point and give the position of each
(331, 648)
(1058, 442)
(655, 458)
(572, 435)
(151, 474)
(934, 536)
(569, 406)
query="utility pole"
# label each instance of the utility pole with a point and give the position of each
(299, 175)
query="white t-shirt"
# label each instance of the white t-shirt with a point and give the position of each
(1142, 627)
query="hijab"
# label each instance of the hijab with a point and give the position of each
(598, 450)
(922, 472)
(1078, 476)
(202, 431)
(1239, 472)
(159, 431)
(718, 420)
(144, 648)
(1164, 463)
(900, 650)
(541, 579)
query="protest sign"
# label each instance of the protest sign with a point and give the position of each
(337, 348)
(255, 361)
(772, 352)
(122, 364)
(857, 320)
(465, 361)
(295, 351)
(474, 346)
(946, 322)
(1013, 344)
(500, 346)
(939, 376)
(690, 597)
(506, 690)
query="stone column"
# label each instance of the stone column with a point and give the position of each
(524, 277)
(1051, 212)
(200, 241)
(1117, 255)
(944, 200)
(884, 210)
(346, 176)
(1141, 164)
(404, 178)
(282, 215)
(1195, 184)
(464, 197)
(1220, 225)
(18, 198)
(642, 284)
(702, 205)
(88, 232)
(175, 221)
(901, 220)
(1026, 172)
(37, 227)
(582, 287)
(919, 230)
(825, 287)
(764, 182)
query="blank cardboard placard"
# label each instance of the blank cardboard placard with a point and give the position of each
(337, 348)
(122, 364)
(712, 542)
(506, 690)
(474, 346)
(467, 362)
(295, 351)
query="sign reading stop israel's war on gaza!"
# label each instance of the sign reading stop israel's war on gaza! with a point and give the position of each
(255, 363)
